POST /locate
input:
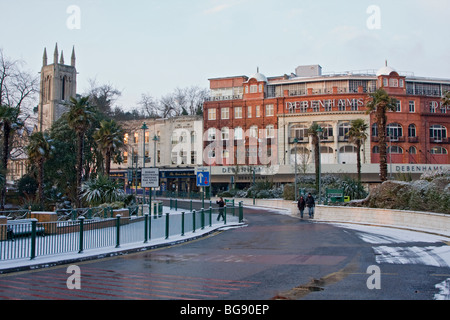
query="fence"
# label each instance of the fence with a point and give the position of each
(28, 238)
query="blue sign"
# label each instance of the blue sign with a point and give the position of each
(203, 179)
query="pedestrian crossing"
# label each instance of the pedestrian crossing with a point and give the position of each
(99, 284)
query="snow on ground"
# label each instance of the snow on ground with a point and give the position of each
(386, 240)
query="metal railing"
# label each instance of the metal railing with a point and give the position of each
(84, 229)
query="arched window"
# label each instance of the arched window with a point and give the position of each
(438, 150)
(63, 88)
(394, 131)
(253, 132)
(298, 131)
(438, 132)
(412, 131)
(394, 150)
(344, 128)
(412, 150)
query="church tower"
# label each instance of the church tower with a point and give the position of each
(58, 84)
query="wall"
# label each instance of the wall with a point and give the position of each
(422, 221)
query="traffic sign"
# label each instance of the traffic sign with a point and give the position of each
(203, 179)
(150, 178)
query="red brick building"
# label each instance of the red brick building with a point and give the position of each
(259, 122)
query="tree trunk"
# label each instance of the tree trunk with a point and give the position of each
(317, 159)
(41, 183)
(7, 133)
(381, 119)
(79, 167)
(358, 158)
(107, 162)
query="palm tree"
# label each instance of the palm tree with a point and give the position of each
(39, 150)
(79, 117)
(357, 135)
(313, 131)
(9, 122)
(446, 99)
(110, 139)
(380, 102)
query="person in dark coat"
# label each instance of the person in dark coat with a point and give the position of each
(310, 204)
(221, 204)
(301, 206)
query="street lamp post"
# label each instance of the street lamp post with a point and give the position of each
(295, 170)
(319, 133)
(144, 127)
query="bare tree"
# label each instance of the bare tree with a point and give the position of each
(103, 96)
(17, 93)
(149, 106)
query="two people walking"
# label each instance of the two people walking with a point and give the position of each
(306, 203)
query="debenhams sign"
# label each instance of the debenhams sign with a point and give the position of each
(328, 103)
(420, 168)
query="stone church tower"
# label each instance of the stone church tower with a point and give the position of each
(58, 84)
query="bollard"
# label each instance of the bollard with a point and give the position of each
(210, 216)
(146, 228)
(167, 225)
(176, 204)
(225, 215)
(33, 239)
(182, 224)
(241, 212)
(118, 231)
(202, 217)
(81, 234)
(193, 221)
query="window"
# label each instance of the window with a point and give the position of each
(412, 130)
(344, 128)
(147, 137)
(269, 110)
(125, 157)
(329, 105)
(253, 88)
(253, 132)
(402, 83)
(136, 137)
(394, 131)
(398, 106)
(375, 130)
(385, 82)
(249, 112)
(211, 114)
(412, 150)
(393, 83)
(211, 134)
(225, 133)
(258, 111)
(238, 133)
(238, 113)
(412, 106)
(327, 131)
(270, 131)
(438, 150)
(315, 106)
(394, 150)
(260, 88)
(125, 138)
(225, 113)
(298, 131)
(438, 132)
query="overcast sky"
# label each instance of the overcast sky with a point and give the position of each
(155, 46)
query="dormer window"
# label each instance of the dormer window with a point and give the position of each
(253, 88)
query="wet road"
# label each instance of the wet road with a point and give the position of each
(274, 257)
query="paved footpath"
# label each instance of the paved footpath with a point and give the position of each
(274, 257)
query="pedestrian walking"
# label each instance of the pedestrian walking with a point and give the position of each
(221, 204)
(301, 206)
(310, 204)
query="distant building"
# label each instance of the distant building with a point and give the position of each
(58, 84)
